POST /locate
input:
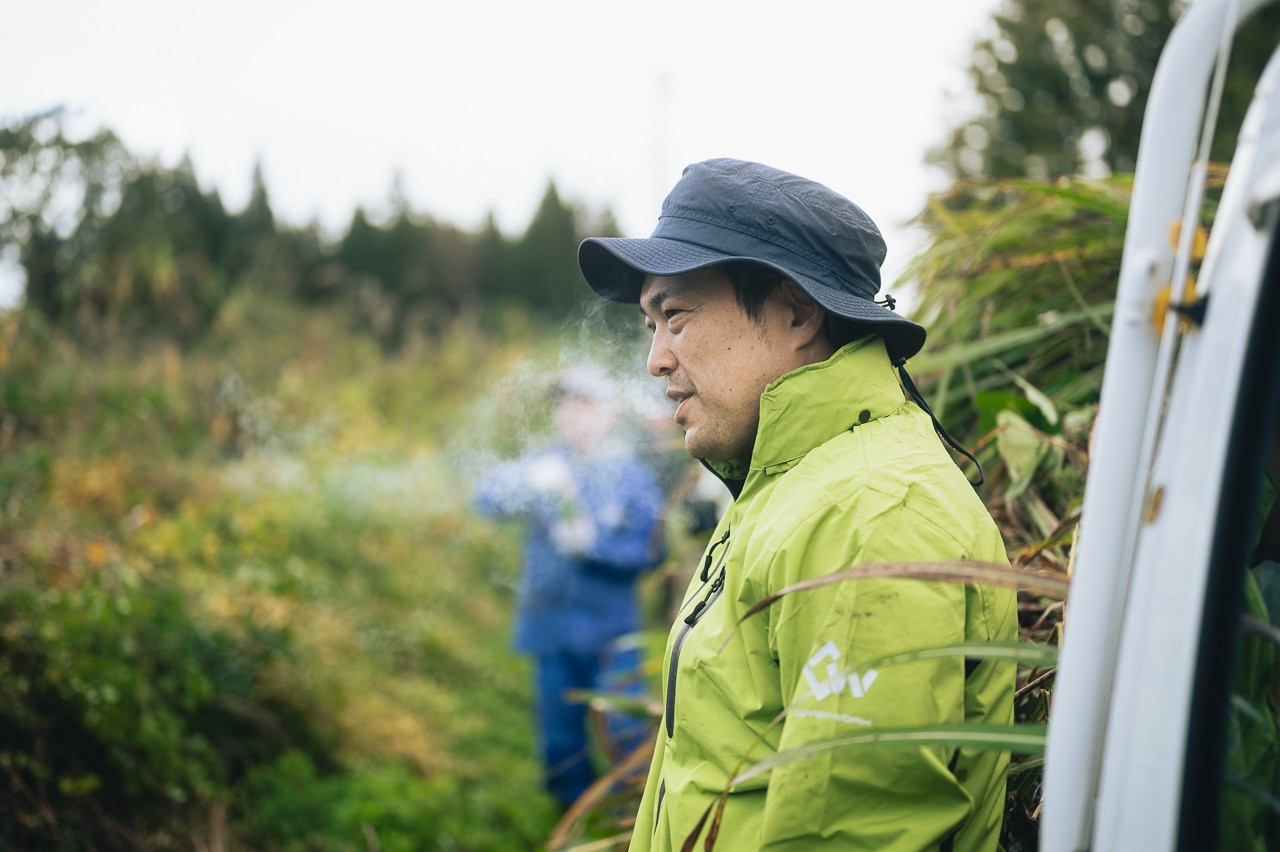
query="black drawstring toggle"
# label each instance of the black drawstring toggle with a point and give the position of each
(706, 567)
(888, 302)
(938, 427)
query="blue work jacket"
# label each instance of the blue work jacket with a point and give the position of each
(578, 601)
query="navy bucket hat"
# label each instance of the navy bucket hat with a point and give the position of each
(730, 210)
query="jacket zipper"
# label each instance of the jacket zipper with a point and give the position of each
(699, 610)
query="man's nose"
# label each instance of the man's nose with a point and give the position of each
(661, 360)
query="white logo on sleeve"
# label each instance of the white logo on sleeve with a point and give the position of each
(836, 680)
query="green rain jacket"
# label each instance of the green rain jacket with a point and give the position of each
(844, 471)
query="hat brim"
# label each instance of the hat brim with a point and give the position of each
(615, 268)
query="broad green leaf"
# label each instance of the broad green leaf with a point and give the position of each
(989, 404)
(1034, 395)
(1021, 448)
(1077, 422)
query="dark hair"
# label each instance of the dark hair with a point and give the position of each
(753, 283)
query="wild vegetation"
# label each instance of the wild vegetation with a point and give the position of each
(243, 600)
(247, 603)
(243, 606)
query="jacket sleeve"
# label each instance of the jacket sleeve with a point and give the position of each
(877, 797)
(540, 484)
(628, 523)
(504, 492)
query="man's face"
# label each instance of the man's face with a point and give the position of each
(715, 359)
(582, 423)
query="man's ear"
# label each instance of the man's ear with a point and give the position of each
(804, 315)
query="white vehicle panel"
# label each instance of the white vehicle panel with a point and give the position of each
(1128, 653)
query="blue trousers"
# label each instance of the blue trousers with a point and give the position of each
(564, 738)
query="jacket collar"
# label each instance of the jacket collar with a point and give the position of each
(812, 404)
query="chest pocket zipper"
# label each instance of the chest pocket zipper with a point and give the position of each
(690, 620)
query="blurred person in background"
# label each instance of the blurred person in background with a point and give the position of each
(758, 287)
(592, 512)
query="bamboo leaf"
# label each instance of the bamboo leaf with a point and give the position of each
(1243, 706)
(692, 839)
(1036, 762)
(1019, 739)
(639, 706)
(713, 832)
(987, 573)
(1089, 196)
(964, 353)
(1237, 780)
(1025, 653)
(1258, 627)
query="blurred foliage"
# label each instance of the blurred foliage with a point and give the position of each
(242, 603)
(1016, 289)
(112, 248)
(1063, 87)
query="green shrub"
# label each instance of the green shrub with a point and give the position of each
(387, 806)
(114, 701)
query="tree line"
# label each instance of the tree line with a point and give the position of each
(111, 244)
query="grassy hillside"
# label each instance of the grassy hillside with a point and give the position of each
(245, 602)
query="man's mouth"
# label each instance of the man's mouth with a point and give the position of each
(681, 399)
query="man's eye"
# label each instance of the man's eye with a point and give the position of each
(671, 312)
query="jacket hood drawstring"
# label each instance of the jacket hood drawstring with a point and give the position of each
(910, 386)
(911, 389)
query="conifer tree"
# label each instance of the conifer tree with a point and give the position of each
(1063, 87)
(549, 281)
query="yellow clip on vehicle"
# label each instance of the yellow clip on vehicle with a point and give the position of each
(1163, 730)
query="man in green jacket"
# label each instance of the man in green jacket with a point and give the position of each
(758, 287)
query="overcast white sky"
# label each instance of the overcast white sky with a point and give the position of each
(478, 104)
